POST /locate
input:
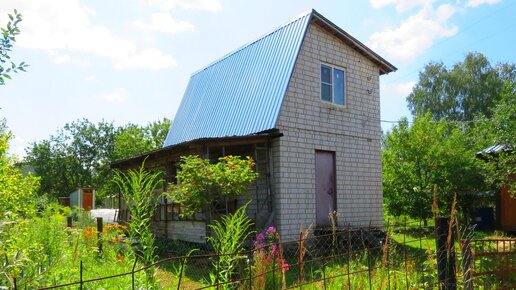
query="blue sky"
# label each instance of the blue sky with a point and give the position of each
(130, 60)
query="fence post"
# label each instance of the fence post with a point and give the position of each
(69, 221)
(445, 256)
(405, 252)
(100, 228)
(250, 275)
(80, 277)
(369, 259)
(467, 265)
(181, 273)
(349, 255)
(132, 271)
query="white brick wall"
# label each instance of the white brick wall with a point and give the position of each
(352, 132)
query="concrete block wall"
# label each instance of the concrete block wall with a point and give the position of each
(353, 132)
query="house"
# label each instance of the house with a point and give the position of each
(304, 102)
(505, 215)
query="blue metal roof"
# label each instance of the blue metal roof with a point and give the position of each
(241, 93)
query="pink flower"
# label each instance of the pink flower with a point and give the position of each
(285, 267)
(266, 261)
(274, 249)
(271, 230)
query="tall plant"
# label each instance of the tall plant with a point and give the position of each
(138, 188)
(230, 234)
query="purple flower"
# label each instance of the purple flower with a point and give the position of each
(260, 237)
(259, 245)
(271, 230)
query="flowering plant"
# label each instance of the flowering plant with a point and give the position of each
(268, 260)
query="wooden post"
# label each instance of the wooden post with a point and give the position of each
(69, 221)
(100, 227)
(445, 255)
(467, 265)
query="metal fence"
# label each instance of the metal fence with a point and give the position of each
(490, 263)
(398, 256)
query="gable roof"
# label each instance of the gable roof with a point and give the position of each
(241, 93)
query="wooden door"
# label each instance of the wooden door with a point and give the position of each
(325, 187)
(507, 210)
(87, 200)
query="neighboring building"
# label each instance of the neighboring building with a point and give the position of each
(82, 198)
(505, 205)
(304, 102)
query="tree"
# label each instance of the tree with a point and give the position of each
(78, 155)
(462, 93)
(9, 34)
(420, 156)
(499, 167)
(17, 192)
(133, 139)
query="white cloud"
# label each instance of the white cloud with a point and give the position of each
(401, 5)
(62, 27)
(117, 96)
(415, 34)
(163, 22)
(90, 78)
(167, 5)
(149, 58)
(60, 58)
(398, 89)
(476, 3)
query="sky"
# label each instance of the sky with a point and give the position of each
(129, 61)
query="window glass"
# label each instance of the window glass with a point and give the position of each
(338, 86)
(326, 74)
(333, 85)
(326, 92)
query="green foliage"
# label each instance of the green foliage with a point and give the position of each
(499, 168)
(79, 154)
(428, 153)
(138, 189)
(41, 251)
(463, 92)
(17, 192)
(133, 139)
(201, 183)
(7, 40)
(230, 234)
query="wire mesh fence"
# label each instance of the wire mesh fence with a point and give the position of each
(406, 255)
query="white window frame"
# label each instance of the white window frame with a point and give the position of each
(332, 84)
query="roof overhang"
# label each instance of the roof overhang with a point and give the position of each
(174, 151)
(493, 151)
(384, 66)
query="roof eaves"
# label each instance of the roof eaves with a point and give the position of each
(385, 66)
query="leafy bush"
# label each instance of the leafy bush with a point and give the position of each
(201, 183)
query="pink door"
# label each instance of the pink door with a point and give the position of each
(325, 193)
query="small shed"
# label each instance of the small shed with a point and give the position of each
(83, 197)
(505, 205)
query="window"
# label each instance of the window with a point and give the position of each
(333, 88)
